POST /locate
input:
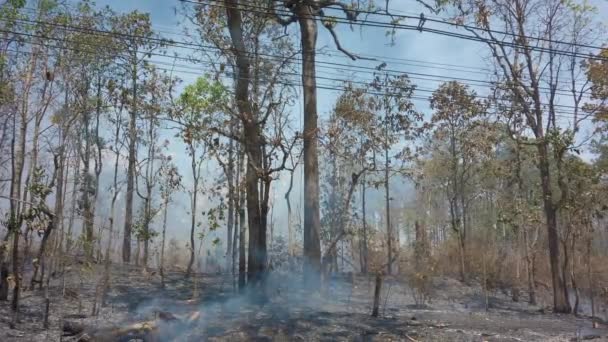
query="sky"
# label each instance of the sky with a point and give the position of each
(412, 51)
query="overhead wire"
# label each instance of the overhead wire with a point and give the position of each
(201, 47)
(321, 63)
(394, 60)
(441, 20)
(396, 25)
(199, 61)
(171, 67)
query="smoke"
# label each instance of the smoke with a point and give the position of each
(279, 301)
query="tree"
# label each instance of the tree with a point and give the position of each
(156, 91)
(307, 13)
(532, 42)
(194, 110)
(171, 181)
(400, 123)
(259, 108)
(350, 144)
(35, 90)
(137, 40)
(597, 74)
(457, 122)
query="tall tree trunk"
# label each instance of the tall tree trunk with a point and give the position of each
(193, 207)
(256, 262)
(15, 210)
(87, 179)
(529, 268)
(231, 199)
(162, 244)
(256, 259)
(561, 303)
(56, 218)
(126, 244)
(290, 237)
(147, 220)
(242, 227)
(573, 277)
(149, 186)
(590, 277)
(75, 187)
(115, 192)
(312, 222)
(235, 241)
(462, 253)
(389, 228)
(364, 223)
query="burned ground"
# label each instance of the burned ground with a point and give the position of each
(341, 313)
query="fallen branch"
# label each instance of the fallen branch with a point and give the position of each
(411, 339)
(165, 326)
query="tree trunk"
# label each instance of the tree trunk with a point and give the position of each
(231, 204)
(590, 277)
(162, 244)
(256, 211)
(256, 260)
(137, 250)
(75, 187)
(146, 229)
(290, 238)
(150, 180)
(312, 223)
(193, 206)
(574, 285)
(462, 252)
(529, 268)
(15, 208)
(87, 224)
(377, 290)
(126, 244)
(242, 227)
(389, 228)
(55, 220)
(364, 222)
(561, 304)
(4, 270)
(106, 283)
(193, 209)
(235, 241)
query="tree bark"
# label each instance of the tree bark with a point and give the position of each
(231, 200)
(364, 223)
(590, 277)
(377, 290)
(561, 304)
(126, 244)
(193, 208)
(312, 223)
(162, 244)
(256, 209)
(389, 228)
(242, 229)
(55, 219)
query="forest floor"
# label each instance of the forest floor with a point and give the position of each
(456, 312)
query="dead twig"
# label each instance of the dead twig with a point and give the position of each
(409, 338)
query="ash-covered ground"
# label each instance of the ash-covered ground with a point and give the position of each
(341, 313)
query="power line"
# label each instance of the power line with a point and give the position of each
(447, 21)
(200, 47)
(200, 61)
(380, 24)
(563, 114)
(399, 61)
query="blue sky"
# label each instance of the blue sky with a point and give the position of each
(418, 52)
